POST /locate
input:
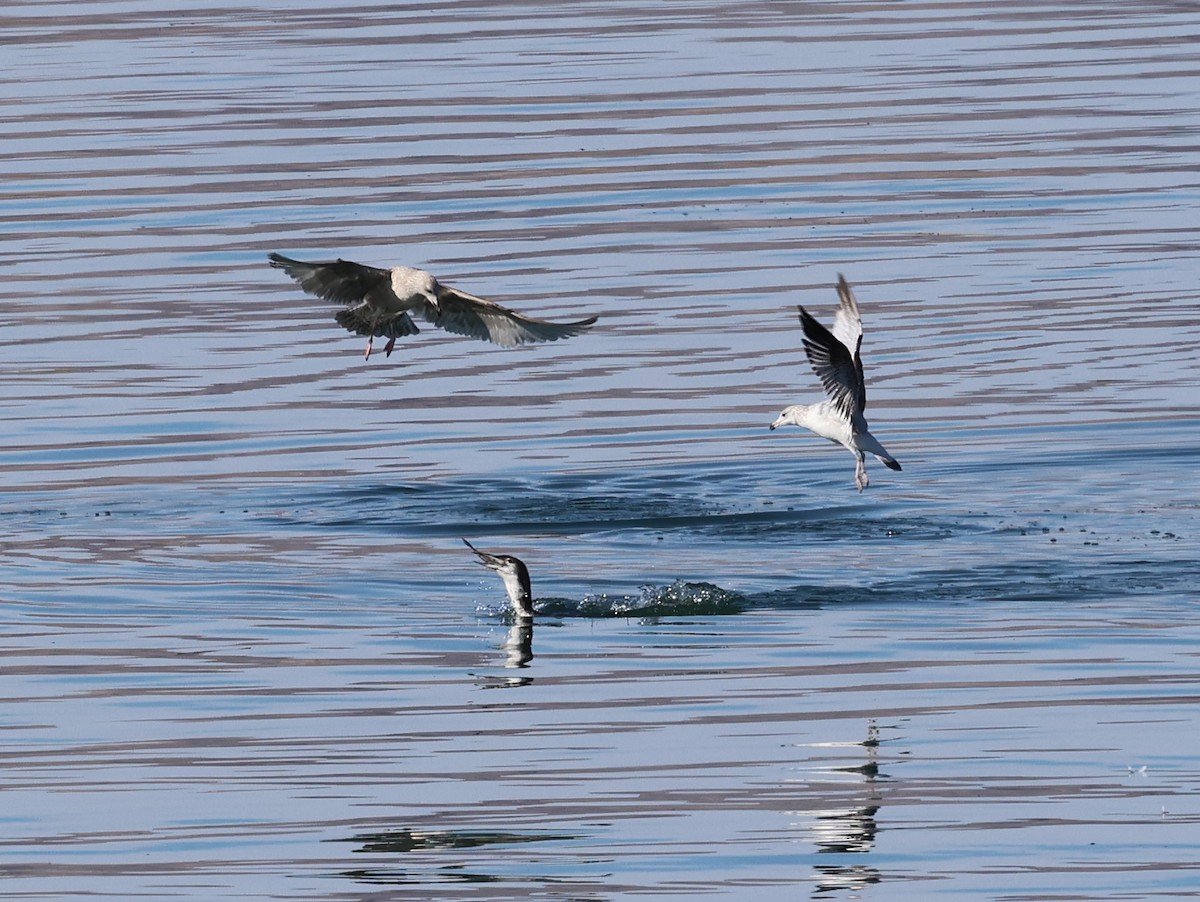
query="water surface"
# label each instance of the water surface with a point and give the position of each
(245, 654)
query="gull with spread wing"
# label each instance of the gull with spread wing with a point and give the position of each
(836, 358)
(379, 303)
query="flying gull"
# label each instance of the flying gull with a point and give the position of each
(837, 360)
(516, 578)
(378, 302)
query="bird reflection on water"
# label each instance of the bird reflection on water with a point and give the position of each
(850, 828)
(519, 645)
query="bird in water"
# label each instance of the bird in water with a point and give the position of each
(836, 358)
(379, 303)
(516, 579)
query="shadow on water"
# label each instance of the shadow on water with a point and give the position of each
(708, 504)
(835, 807)
(404, 842)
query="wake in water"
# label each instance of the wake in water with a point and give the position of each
(679, 598)
(654, 601)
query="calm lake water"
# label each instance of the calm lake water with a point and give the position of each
(244, 653)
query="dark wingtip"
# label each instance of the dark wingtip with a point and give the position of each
(892, 464)
(580, 325)
(276, 259)
(806, 318)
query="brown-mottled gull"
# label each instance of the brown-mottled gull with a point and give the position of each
(379, 303)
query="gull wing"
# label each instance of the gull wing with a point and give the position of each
(839, 372)
(847, 323)
(847, 328)
(340, 281)
(465, 314)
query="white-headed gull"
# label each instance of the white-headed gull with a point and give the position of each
(379, 301)
(837, 360)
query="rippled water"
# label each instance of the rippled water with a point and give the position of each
(245, 654)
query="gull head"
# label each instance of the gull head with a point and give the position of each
(796, 415)
(410, 284)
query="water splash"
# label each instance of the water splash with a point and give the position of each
(679, 598)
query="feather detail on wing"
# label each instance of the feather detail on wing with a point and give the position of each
(341, 280)
(837, 370)
(847, 328)
(847, 322)
(465, 314)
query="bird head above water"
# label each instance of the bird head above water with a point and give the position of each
(515, 575)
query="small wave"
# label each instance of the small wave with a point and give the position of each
(679, 598)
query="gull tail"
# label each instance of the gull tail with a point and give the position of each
(868, 442)
(888, 461)
(358, 319)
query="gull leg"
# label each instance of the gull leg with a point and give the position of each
(370, 341)
(387, 348)
(860, 472)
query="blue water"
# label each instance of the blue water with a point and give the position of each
(245, 654)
